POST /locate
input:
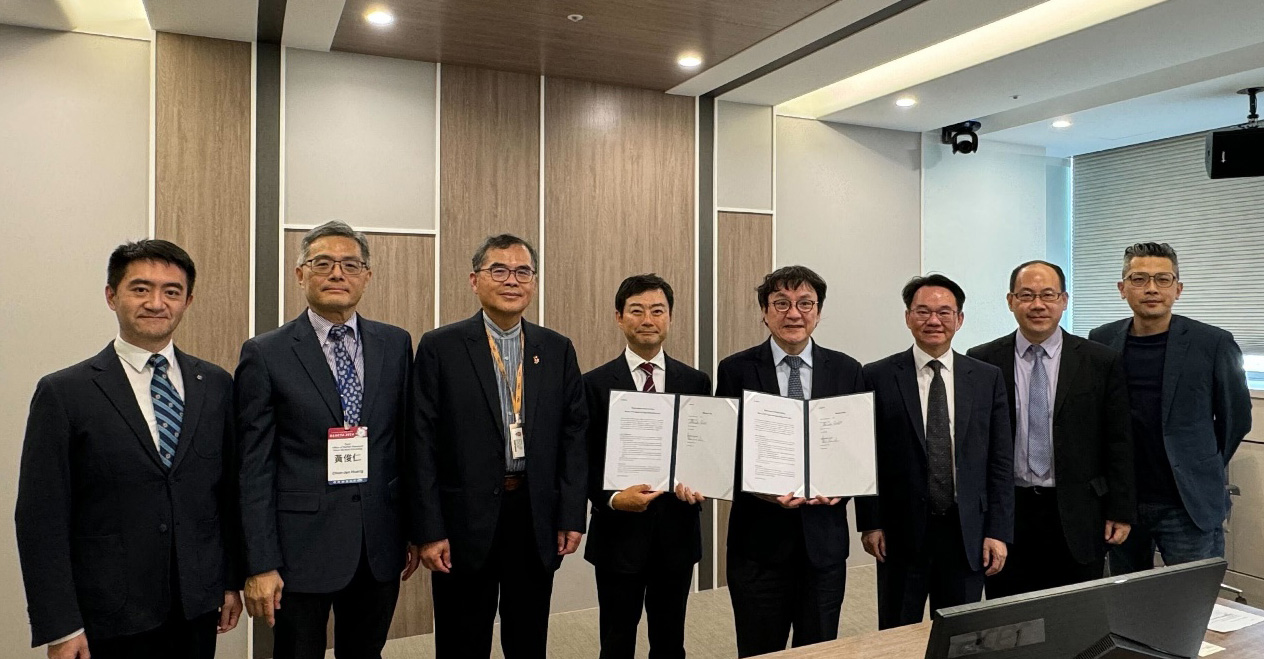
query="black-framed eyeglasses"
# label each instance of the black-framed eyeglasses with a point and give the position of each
(325, 266)
(1141, 279)
(783, 305)
(1045, 296)
(923, 314)
(501, 273)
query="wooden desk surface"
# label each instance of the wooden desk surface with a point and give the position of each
(910, 642)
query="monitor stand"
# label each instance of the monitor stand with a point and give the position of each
(1114, 646)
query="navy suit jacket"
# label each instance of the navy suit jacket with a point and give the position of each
(984, 457)
(98, 514)
(458, 441)
(667, 533)
(761, 530)
(1206, 409)
(287, 400)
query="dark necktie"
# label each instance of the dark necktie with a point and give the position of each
(938, 443)
(349, 389)
(794, 388)
(168, 409)
(648, 369)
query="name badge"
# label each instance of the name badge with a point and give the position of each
(517, 447)
(348, 456)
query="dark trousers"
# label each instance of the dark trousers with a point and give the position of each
(771, 600)
(1040, 557)
(1172, 531)
(664, 593)
(938, 570)
(362, 617)
(177, 637)
(466, 601)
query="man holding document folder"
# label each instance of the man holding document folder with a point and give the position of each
(644, 544)
(787, 555)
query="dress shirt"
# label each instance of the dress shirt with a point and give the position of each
(141, 375)
(924, 376)
(638, 376)
(510, 344)
(350, 341)
(783, 369)
(1023, 365)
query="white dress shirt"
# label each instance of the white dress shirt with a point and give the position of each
(925, 374)
(783, 369)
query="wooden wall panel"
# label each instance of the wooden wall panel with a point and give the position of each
(202, 183)
(744, 256)
(619, 200)
(489, 172)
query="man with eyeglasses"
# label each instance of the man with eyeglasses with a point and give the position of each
(1074, 494)
(321, 408)
(945, 505)
(1190, 410)
(499, 445)
(787, 555)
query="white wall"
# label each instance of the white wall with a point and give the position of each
(743, 163)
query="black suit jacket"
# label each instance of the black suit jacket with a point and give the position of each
(764, 531)
(287, 400)
(459, 439)
(984, 450)
(1092, 438)
(1206, 409)
(98, 514)
(667, 533)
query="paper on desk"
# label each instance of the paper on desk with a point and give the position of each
(1208, 648)
(1225, 619)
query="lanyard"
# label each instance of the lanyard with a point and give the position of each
(516, 397)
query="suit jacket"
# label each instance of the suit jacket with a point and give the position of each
(1206, 409)
(984, 457)
(667, 533)
(764, 531)
(1092, 438)
(459, 440)
(287, 400)
(99, 517)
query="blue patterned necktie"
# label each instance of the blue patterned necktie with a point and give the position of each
(1039, 446)
(349, 388)
(794, 388)
(168, 409)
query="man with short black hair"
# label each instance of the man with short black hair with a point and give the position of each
(1190, 410)
(787, 555)
(126, 515)
(644, 543)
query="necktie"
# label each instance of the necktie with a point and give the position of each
(168, 410)
(794, 388)
(938, 443)
(1039, 446)
(349, 388)
(648, 369)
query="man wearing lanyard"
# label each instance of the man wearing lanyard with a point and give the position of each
(499, 451)
(321, 410)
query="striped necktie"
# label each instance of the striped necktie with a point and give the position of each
(648, 369)
(168, 409)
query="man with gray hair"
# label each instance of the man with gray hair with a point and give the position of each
(321, 414)
(1190, 410)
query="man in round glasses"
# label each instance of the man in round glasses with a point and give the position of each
(1074, 494)
(1190, 410)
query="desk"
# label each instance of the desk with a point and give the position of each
(910, 643)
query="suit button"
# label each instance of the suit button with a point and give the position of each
(355, 497)
(496, 490)
(162, 528)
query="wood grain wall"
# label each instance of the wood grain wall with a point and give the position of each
(619, 200)
(202, 183)
(489, 173)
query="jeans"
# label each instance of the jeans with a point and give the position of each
(1172, 530)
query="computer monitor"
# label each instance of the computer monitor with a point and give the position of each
(1160, 613)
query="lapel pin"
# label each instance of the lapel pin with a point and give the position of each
(535, 359)
(199, 376)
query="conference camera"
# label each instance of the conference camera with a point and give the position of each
(962, 136)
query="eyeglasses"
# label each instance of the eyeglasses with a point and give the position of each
(923, 314)
(1161, 279)
(1045, 296)
(783, 305)
(325, 266)
(501, 273)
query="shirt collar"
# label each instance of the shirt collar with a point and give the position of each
(137, 357)
(921, 358)
(510, 333)
(778, 354)
(634, 360)
(1052, 345)
(322, 325)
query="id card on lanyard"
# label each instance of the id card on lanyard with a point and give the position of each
(517, 444)
(348, 455)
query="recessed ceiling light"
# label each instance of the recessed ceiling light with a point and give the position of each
(689, 61)
(906, 102)
(379, 17)
(575, 18)
(1062, 123)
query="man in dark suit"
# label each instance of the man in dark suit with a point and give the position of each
(499, 447)
(1190, 410)
(321, 407)
(126, 511)
(1073, 473)
(787, 555)
(644, 547)
(945, 505)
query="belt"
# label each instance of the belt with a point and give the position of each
(514, 481)
(1038, 491)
